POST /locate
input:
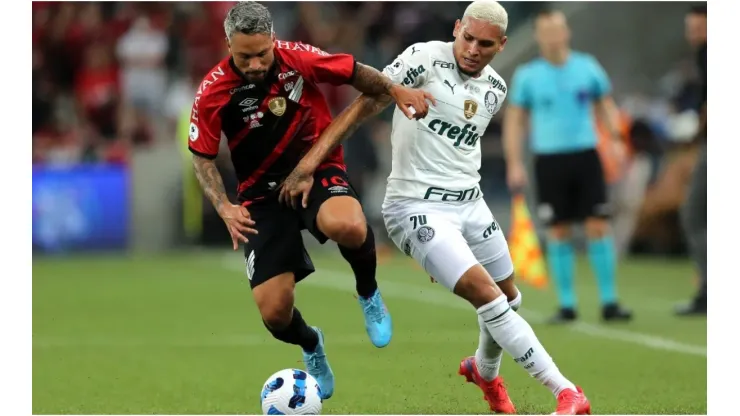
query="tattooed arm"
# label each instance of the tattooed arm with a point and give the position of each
(411, 102)
(369, 80)
(300, 180)
(363, 108)
(379, 92)
(210, 181)
(236, 217)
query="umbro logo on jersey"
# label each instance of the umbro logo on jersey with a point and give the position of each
(249, 104)
(452, 87)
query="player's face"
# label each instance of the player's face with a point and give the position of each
(552, 33)
(253, 54)
(476, 43)
(696, 29)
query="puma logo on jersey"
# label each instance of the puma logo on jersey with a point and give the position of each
(466, 134)
(412, 74)
(452, 87)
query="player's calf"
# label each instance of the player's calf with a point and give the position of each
(489, 354)
(602, 254)
(477, 287)
(509, 330)
(508, 287)
(341, 219)
(274, 300)
(561, 261)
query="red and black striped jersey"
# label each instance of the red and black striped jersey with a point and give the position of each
(268, 127)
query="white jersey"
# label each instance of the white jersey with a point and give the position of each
(438, 157)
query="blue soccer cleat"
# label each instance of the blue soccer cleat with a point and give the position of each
(318, 367)
(377, 319)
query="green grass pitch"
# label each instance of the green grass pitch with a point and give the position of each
(180, 334)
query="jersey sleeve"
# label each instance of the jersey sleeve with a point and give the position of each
(602, 86)
(411, 67)
(204, 134)
(316, 65)
(520, 94)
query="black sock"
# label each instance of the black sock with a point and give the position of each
(363, 262)
(296, 333)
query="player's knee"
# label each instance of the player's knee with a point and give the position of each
(477, 287)
(596, 228)
(341, 220)
(559, 232)
(349, 231)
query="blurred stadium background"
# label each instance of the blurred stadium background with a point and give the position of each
(140, 307)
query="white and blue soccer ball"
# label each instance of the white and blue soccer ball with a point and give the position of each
(291, 392)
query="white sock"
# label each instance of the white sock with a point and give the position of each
(516, 337)
(489, 354)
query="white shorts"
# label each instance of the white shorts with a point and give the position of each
(447, 239)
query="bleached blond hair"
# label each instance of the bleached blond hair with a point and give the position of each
(489, 11)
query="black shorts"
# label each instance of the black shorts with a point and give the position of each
(570, 187)
(278, 248)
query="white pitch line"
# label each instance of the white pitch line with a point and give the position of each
(345, 282)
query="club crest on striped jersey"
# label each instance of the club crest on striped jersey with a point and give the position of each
(277, 106)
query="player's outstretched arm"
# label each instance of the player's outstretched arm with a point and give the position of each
(236, 217)
(299, 181)
(364, 107)
(370, 81)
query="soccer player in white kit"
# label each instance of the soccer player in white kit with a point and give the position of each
(433, 209)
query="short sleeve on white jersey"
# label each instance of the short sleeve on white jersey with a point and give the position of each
(411, 67)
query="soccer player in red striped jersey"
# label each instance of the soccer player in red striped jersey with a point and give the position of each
(264, 101)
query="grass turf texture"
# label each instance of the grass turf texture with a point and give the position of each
(180, 334)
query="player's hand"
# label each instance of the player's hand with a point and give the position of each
(238, 222)
(298, 183)
(516, 177)
(413, 103)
